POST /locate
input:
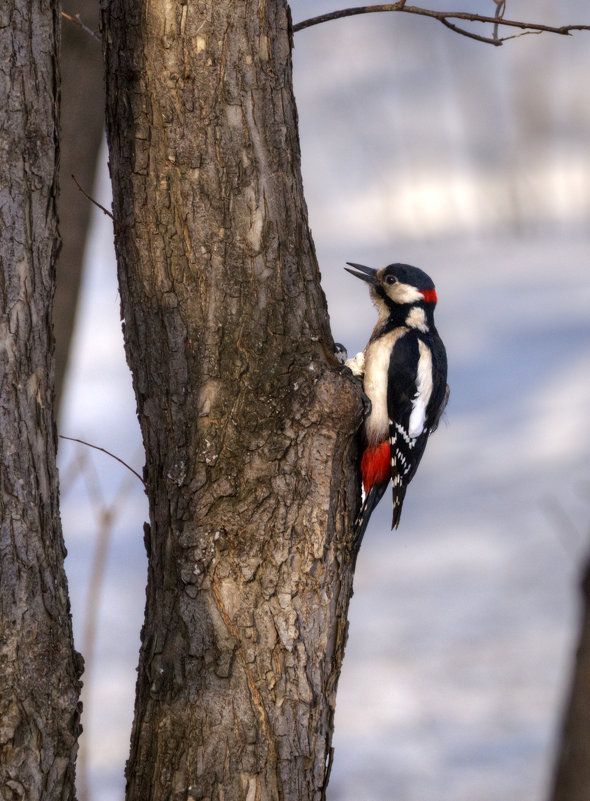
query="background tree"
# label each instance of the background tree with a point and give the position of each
(39, 684)
(572, 775)
(82, 127)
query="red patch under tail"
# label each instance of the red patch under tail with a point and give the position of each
(376, 465)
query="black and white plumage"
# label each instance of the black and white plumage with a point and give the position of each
(404, 370)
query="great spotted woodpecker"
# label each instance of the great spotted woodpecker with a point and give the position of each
(405, 378)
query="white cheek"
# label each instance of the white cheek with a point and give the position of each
(404, 293)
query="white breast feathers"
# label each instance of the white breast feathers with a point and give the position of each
(377, 356)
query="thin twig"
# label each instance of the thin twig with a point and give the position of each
(77, 21)
(500, 9)
(348, 12)
(104, 450)
(470, 35)
(444, 17)
(92, 200)
(523, 33)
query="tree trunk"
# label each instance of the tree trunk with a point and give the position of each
(39, 678)
(572, 779)
(247, 422)
(82, 126)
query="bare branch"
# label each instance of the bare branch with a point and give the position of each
(444, 17)
(470, 34)
(92, 200)
(348, 12)
(108, 453)
(77, 21)
(523, 33)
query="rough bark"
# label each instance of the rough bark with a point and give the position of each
(39, 677)
(248, 424)
(572, 778)
(82, 126)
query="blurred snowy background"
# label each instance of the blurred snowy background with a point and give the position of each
(471, 162)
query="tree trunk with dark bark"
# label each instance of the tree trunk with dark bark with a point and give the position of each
(248, 424)
(572, 778)
(39, 676)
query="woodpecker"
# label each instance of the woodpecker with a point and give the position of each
(404, 370)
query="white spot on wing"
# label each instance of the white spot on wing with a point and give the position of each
(424, 390)
(408, 439)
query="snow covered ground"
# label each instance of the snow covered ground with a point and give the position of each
(463, 622)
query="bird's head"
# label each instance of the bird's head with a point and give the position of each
(398, 283)
(397, 287)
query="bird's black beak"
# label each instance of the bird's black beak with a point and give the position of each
(367, 274)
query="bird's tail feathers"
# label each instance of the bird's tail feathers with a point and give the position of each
(372, 498)
(399, 493)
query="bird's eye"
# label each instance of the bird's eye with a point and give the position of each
(390, 279)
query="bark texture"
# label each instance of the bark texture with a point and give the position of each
(39, 676)
(247, 422)
(572, 778)
(82, 127)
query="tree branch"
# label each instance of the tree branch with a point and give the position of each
(104, 450)
(77, 21)
(92, 200)
(444, 17)
(116, 223)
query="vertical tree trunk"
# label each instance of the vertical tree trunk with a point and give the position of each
(248, 425)
(572, 778)
(39, 673)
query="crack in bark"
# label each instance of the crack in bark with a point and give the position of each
(255, 695)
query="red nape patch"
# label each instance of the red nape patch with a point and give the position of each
(376, 465)
(429, 295)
